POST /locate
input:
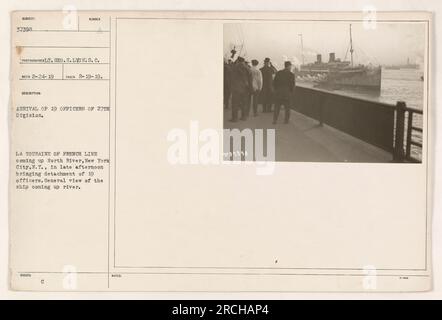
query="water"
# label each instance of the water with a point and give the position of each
(397, 85)
(405, 85)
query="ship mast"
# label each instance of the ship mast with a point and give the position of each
(302, 48)
(351, 47)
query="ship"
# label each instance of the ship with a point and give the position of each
(408, 65)
(337, 73)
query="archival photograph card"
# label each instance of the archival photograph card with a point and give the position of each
(220, 151)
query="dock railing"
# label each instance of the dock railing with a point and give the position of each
(410, 129)
(386, 126)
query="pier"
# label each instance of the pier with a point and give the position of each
(330, 127)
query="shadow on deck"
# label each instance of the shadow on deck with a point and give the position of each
(304, 140)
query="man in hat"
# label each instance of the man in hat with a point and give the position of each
(268, 71)
(284, 85)
(256, 85)
(241, 85)
(227, 78)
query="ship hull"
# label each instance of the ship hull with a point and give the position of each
(358, 78)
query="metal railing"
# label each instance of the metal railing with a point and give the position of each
(403, 147)
(380, 124)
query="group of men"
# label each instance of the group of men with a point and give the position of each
(245, 85)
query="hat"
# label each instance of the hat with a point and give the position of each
(267, 60)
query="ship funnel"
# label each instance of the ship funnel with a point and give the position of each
(319, 58)
(332, 57)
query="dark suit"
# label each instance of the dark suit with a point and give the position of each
(241, 84)
(267, 87)
(227, 80)
(284, 85)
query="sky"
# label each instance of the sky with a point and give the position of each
(388, 43)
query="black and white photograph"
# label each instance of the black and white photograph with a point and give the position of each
(339, 91)
(274, 152)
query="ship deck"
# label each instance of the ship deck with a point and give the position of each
(304, 140)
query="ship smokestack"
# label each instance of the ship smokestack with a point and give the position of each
(319, 58)
(332, 57)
